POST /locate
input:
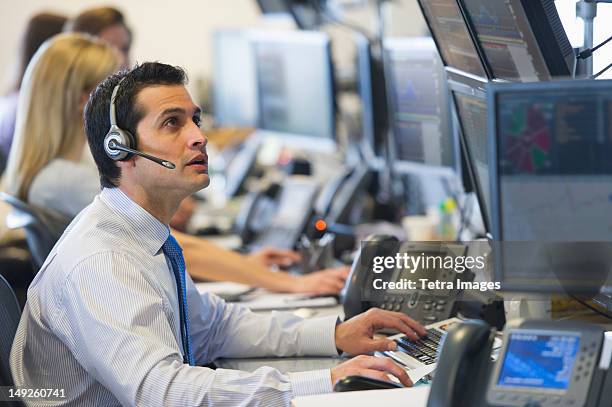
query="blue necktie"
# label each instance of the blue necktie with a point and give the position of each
(174, 253)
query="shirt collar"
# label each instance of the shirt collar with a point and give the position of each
(147, 230)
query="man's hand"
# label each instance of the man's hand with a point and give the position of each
(271, 256)
(372, 367)
(323, 282)
(356, 335)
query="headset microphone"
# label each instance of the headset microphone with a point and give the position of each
(120, 144)
(113, 145)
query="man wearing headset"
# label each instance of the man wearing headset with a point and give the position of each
(112, 318)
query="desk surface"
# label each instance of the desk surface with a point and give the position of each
(284, 365)
(413, 397)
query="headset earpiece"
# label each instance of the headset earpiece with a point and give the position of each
(117, 134)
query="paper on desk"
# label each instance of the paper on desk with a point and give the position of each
(420, 372)
(413, 397)
(260, 301)
(222, 288)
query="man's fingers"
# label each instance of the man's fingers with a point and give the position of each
(375, 374)
(397, 371)
(420, 329)
(382, 345)
(389, 320)
(389, 366)
(399, 321)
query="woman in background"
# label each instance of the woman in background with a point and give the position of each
(45, 166)
(40, 27)
(106, 23)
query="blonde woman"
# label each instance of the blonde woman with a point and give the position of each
(45, 165)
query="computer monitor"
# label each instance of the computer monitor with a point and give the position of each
(471, 108)
(372, 92)
(551, 184)
(452, 36)
(234, 87)
(419, 103)
(295, 83)
(522, 40)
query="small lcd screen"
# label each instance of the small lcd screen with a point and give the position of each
(534, 360)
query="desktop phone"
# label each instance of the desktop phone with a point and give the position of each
(547, 363)
(463, 365)
(422, 304)
(277, 215)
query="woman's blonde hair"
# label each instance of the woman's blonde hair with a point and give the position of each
(49, 122)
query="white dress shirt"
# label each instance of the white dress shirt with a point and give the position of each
(102, 322)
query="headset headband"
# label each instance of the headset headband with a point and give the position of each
(113, 117)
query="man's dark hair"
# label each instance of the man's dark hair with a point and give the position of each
(129, 113)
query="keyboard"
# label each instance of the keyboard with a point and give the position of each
(424, 351)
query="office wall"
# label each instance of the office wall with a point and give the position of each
(171, 31)
(178, 32)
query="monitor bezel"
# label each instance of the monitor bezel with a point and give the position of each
(551, 65)
(470, 85)
(479, 52)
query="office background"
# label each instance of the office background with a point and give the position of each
(180, 32)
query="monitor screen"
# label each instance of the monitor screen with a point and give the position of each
(534, 360)
(234, 87)
(554, 149)
(416, 84)
(552, 181)
(452, 37)
(371, 87)
(294, 82)
(522, 40)
(471, 109)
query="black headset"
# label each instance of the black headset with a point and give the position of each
(120, 144)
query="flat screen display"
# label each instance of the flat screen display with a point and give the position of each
(539, 361)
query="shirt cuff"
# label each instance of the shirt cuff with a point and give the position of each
(312, 382)
(318, 336)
